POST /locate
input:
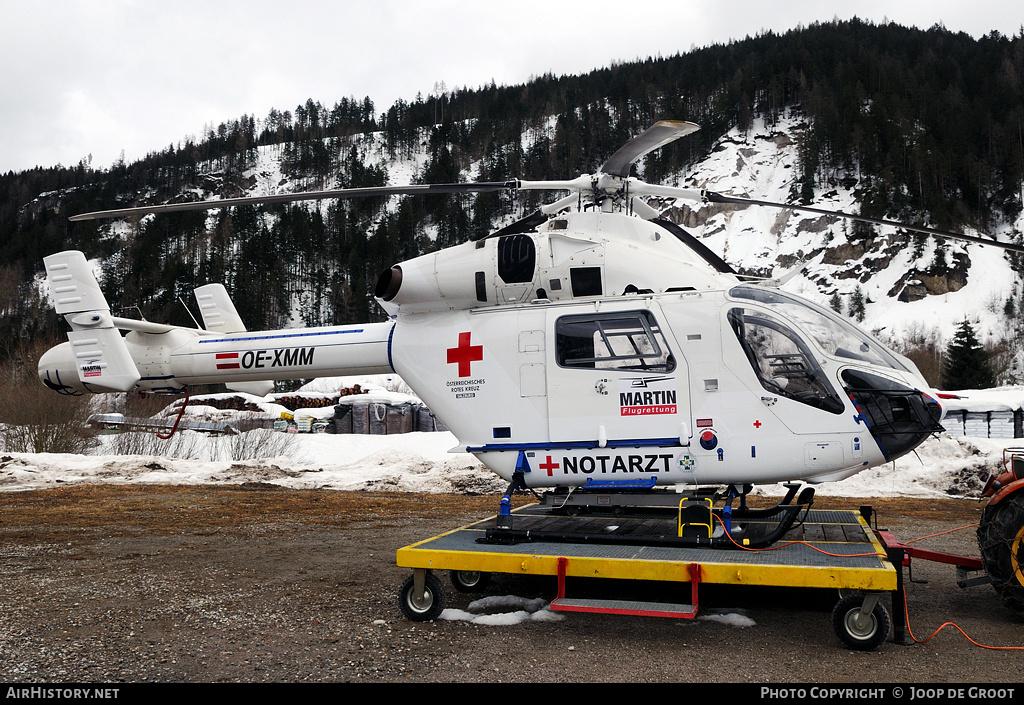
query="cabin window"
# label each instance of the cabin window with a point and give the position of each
(619, 341)
(783, 362)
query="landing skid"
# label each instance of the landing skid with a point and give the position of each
(652, 518)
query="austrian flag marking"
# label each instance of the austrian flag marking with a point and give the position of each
(465, 354)
(262, 359)
(227, 361)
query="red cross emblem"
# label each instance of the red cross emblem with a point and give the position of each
(465, 354)
(549, 466)
(757, 424)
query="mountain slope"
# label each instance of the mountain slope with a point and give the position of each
(884, 120)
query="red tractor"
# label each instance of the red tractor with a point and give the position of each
(1001, 531)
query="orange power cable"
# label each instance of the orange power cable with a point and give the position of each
(906, 611)
(794, 543)
(906, 614)
(959, 528)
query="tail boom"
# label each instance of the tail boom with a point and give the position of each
(285, 354)
(167, 362)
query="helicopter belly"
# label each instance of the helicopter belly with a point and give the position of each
(757, 459)
(738, 460)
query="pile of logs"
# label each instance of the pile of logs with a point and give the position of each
(298, 401)
(289, 401)
(358, 417)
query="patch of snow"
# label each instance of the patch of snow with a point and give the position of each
(733, 619)
(487, 611)
(995, 399)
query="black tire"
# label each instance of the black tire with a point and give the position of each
(860, 637)
(469, 580)
(1001, 542)
(429, 607)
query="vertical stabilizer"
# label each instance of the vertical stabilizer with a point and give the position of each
(100, 353)
(217, 309)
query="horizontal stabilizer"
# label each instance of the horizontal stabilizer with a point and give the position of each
(103, 360)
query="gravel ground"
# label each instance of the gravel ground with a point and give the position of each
(258, 584)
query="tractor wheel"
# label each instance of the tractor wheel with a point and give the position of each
(1001, 542)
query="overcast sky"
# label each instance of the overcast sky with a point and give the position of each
(95, 77)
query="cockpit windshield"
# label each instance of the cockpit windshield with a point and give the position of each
(830, 332)
(784, 363)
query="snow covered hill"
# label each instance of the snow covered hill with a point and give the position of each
(904, 303)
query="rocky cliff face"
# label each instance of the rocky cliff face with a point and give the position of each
(915, 285)
(912, 287)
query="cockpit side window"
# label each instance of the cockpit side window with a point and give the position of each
(625, 341)
(782, 361)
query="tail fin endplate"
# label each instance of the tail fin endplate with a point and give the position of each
(101, 355)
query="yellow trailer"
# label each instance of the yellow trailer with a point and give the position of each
(829, 549)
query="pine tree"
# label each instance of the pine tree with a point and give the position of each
(858, 309)
(967, 364)
(836, 303)
(940, 264)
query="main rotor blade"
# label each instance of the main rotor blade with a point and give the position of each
(416, 189)
(712, 197)
(657, 135)
(523, 225)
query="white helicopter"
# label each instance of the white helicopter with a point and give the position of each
(590, 344)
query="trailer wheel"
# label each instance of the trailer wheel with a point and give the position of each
(859, 633)
(1001, 542)
(428, 607)
(469, 580)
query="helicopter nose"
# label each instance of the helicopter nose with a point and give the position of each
(899, 417)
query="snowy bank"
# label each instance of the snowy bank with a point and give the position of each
(420, 462)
